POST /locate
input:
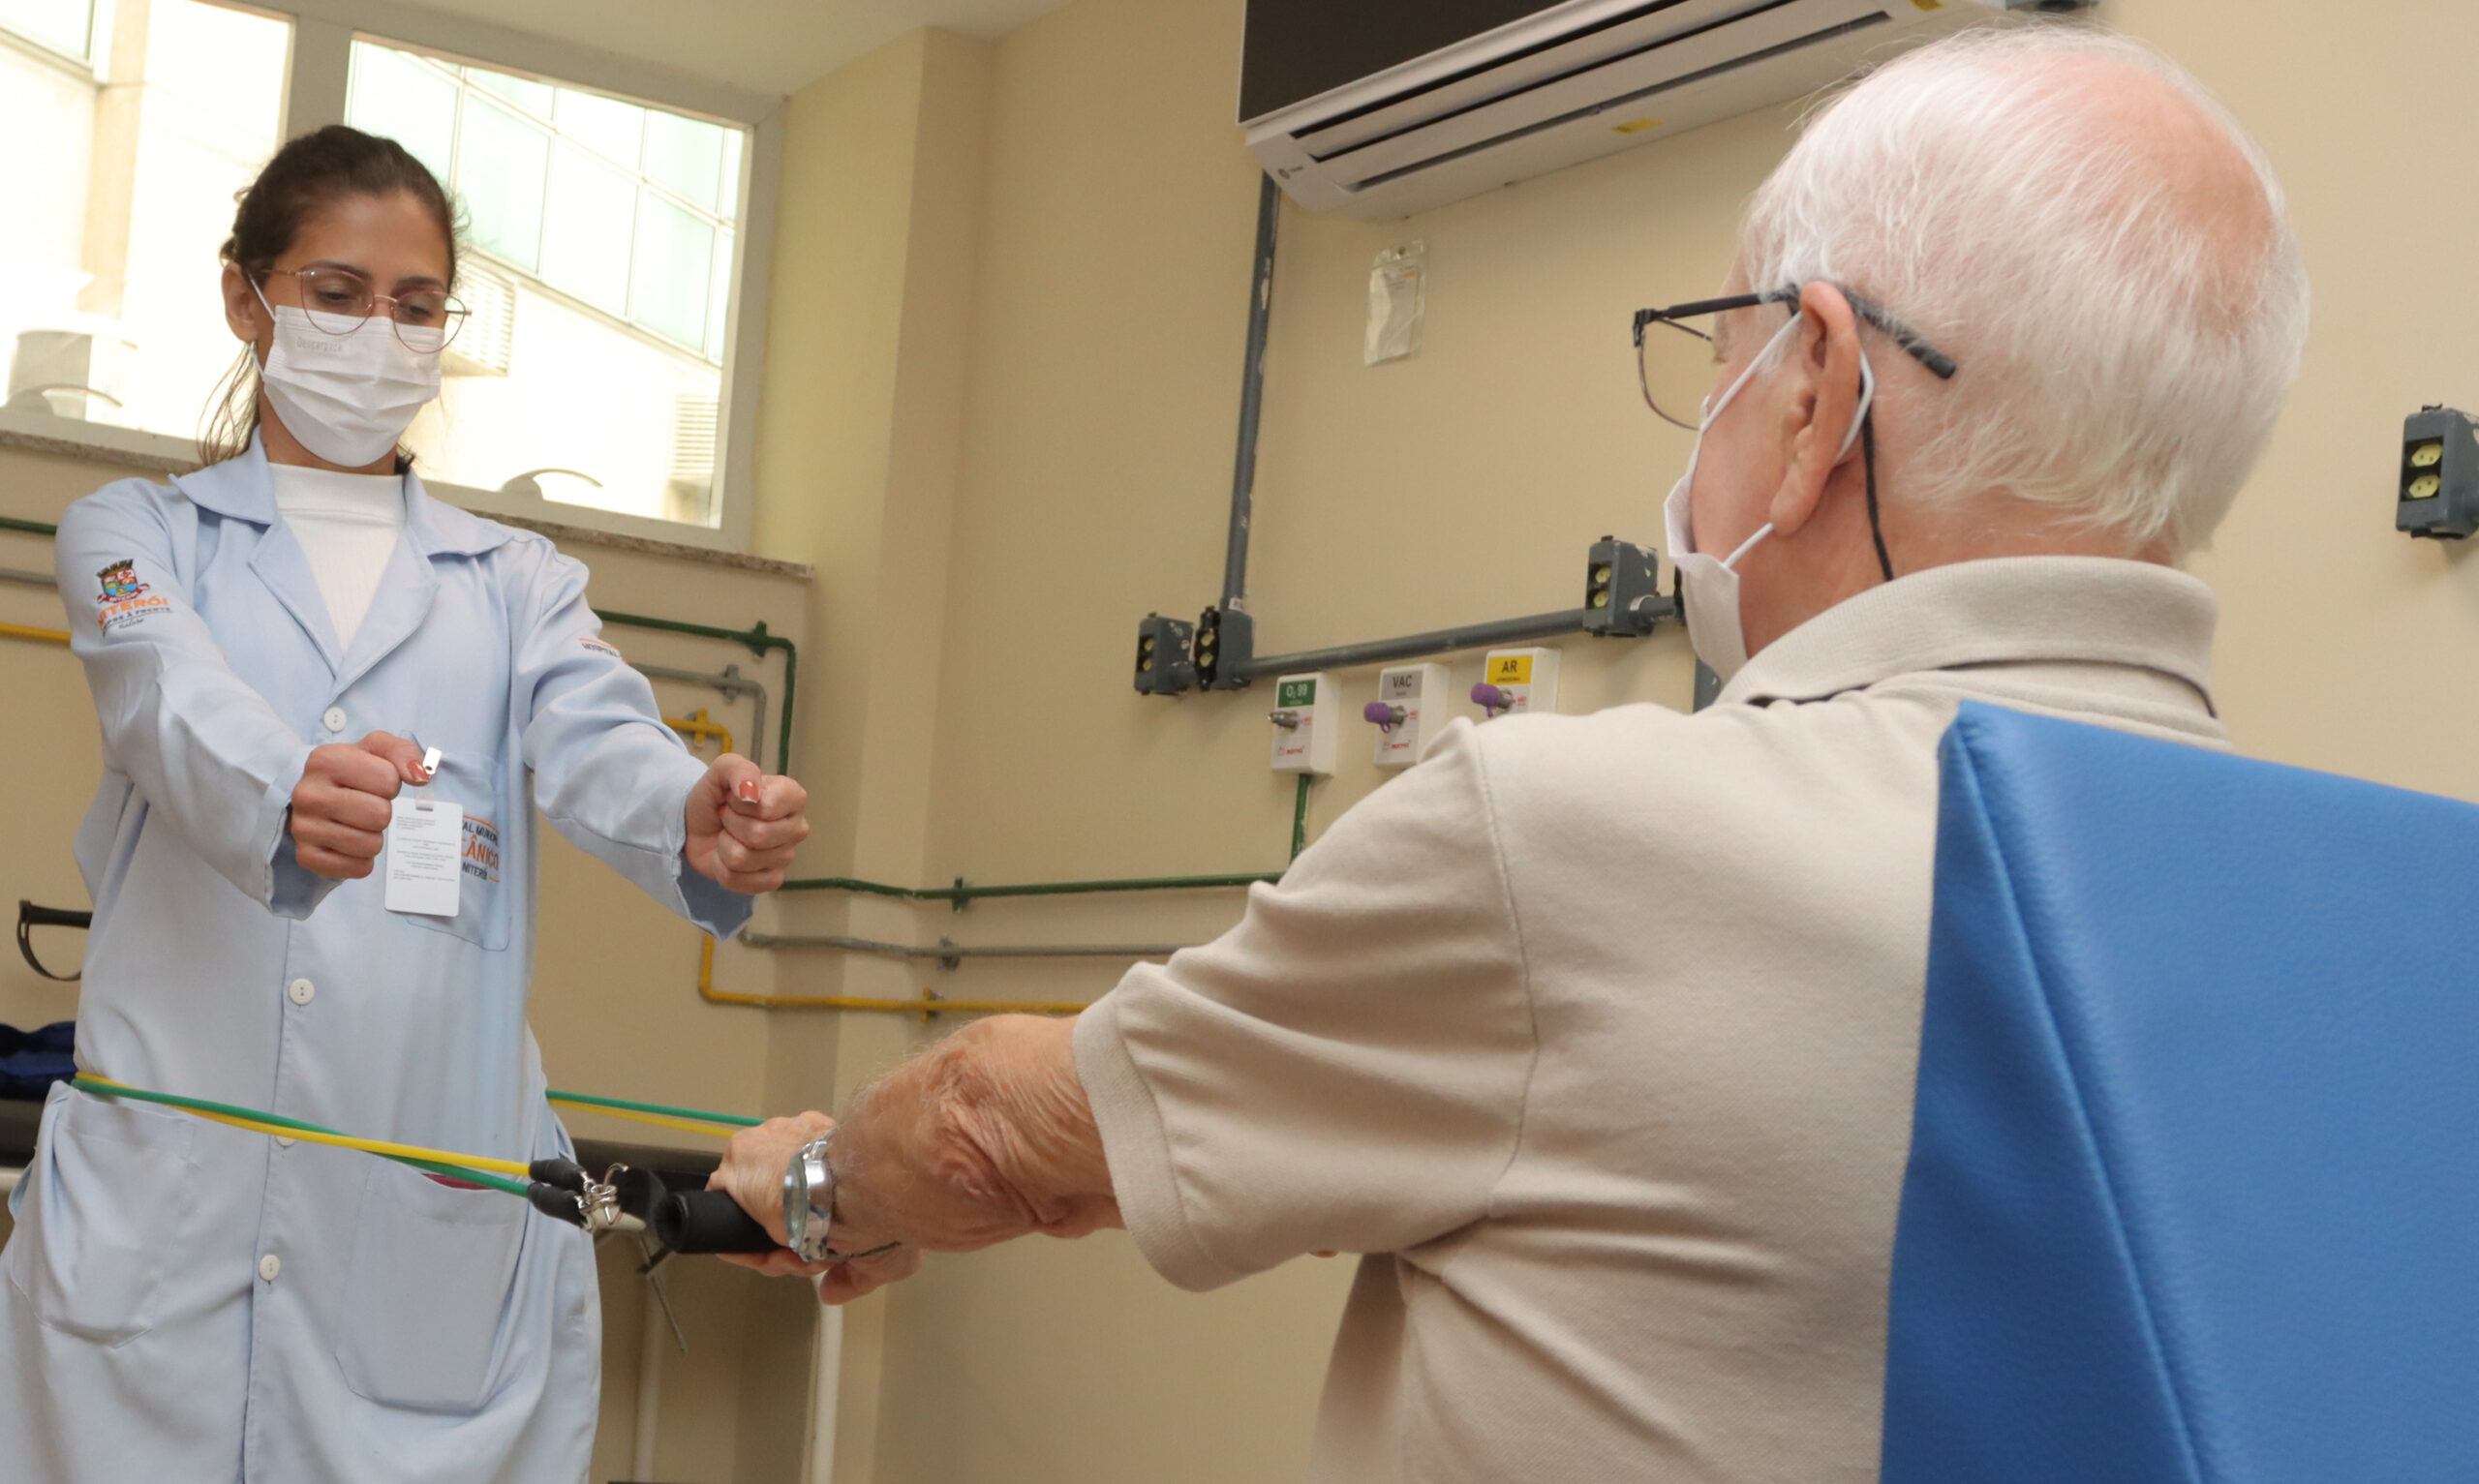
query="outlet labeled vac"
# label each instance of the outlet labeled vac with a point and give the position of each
(1411, 709)
(1306, 718)
(1517, 680)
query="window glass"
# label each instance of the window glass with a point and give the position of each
(593, 216)
(500, 159)
(110, 308)
(411, 101)
(674, 269)
(598, 273)
(533, 97)
(66, 26)
(719, 305)
(686, 155)
(728, 201)
(614, 129)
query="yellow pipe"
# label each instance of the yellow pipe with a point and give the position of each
(925, 1006)
(696, 726)
(37, 635)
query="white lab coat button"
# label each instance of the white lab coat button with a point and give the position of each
(282, 1143)
(334, 719)
(300, 991)
(270, 1265)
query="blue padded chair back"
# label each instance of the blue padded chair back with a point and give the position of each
(2193, 1192)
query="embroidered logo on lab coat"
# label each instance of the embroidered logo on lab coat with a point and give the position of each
(598, 646)
(482, 849)
(124, 599)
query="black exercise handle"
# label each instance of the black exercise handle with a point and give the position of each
(30, 915)
(709, 1221)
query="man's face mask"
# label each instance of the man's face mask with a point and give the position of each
(1709, 586)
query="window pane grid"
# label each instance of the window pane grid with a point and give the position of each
(475, 121)
(606, 233)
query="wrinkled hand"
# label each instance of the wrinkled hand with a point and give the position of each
(744, 825)
(340, 808)
(753, 1173)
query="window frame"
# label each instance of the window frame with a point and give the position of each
(317, 77)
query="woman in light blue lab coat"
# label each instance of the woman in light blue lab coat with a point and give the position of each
(268, 640)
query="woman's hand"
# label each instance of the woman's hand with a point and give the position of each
(744, 825)
(340, 810)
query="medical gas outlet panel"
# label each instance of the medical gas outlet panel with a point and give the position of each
(1307, 718)
(1410, 710)
(1515, 682)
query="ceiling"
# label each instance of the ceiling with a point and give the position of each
(763, 46)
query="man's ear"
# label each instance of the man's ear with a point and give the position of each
(1824, 382)
(243, 315)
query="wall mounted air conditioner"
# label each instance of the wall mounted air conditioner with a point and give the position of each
(1384, 107)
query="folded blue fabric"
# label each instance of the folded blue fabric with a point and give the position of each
(32, 1061)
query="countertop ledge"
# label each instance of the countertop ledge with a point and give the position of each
(561, 533)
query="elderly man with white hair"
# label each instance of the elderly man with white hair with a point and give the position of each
(1596, 1035)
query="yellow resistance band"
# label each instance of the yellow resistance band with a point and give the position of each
(243, 1118)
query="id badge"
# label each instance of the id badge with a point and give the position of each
(425, 856)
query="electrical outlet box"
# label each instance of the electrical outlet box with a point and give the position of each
(1622, 590)
(1163, 667)
(1226, 641)
(1308, 715)
(2440, 482)
(1410, 710)
(1515, 682)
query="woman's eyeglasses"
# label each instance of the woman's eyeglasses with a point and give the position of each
(340, 301)
(1676, 354)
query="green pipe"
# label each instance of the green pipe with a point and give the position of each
(757, 641)
(30, 527)
(1299, 817)
(961, 894)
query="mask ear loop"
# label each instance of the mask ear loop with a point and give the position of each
(1876, 527)
(1866, 434)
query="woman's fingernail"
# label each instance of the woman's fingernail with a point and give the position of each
(748, 789)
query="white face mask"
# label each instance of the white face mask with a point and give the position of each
(348, 398)
(1709, 586)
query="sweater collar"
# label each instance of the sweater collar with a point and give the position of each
(2012, 610)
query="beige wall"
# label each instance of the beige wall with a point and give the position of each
(999, 401)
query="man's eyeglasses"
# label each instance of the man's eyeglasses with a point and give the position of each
(1674, 362)
(340, 301)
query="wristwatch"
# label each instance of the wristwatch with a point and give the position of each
(809, 1199)
(809, 1205)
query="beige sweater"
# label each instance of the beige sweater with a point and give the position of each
(1598, 1035)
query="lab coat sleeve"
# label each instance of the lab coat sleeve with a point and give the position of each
(1346, 1069)
(208, 754)
(607, 773)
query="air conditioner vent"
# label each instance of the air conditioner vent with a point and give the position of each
(1563, 84)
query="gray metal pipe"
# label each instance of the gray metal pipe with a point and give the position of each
(1252, 392)
(732, 685)
(1443, 641)
(30, 579)
(952, 953)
